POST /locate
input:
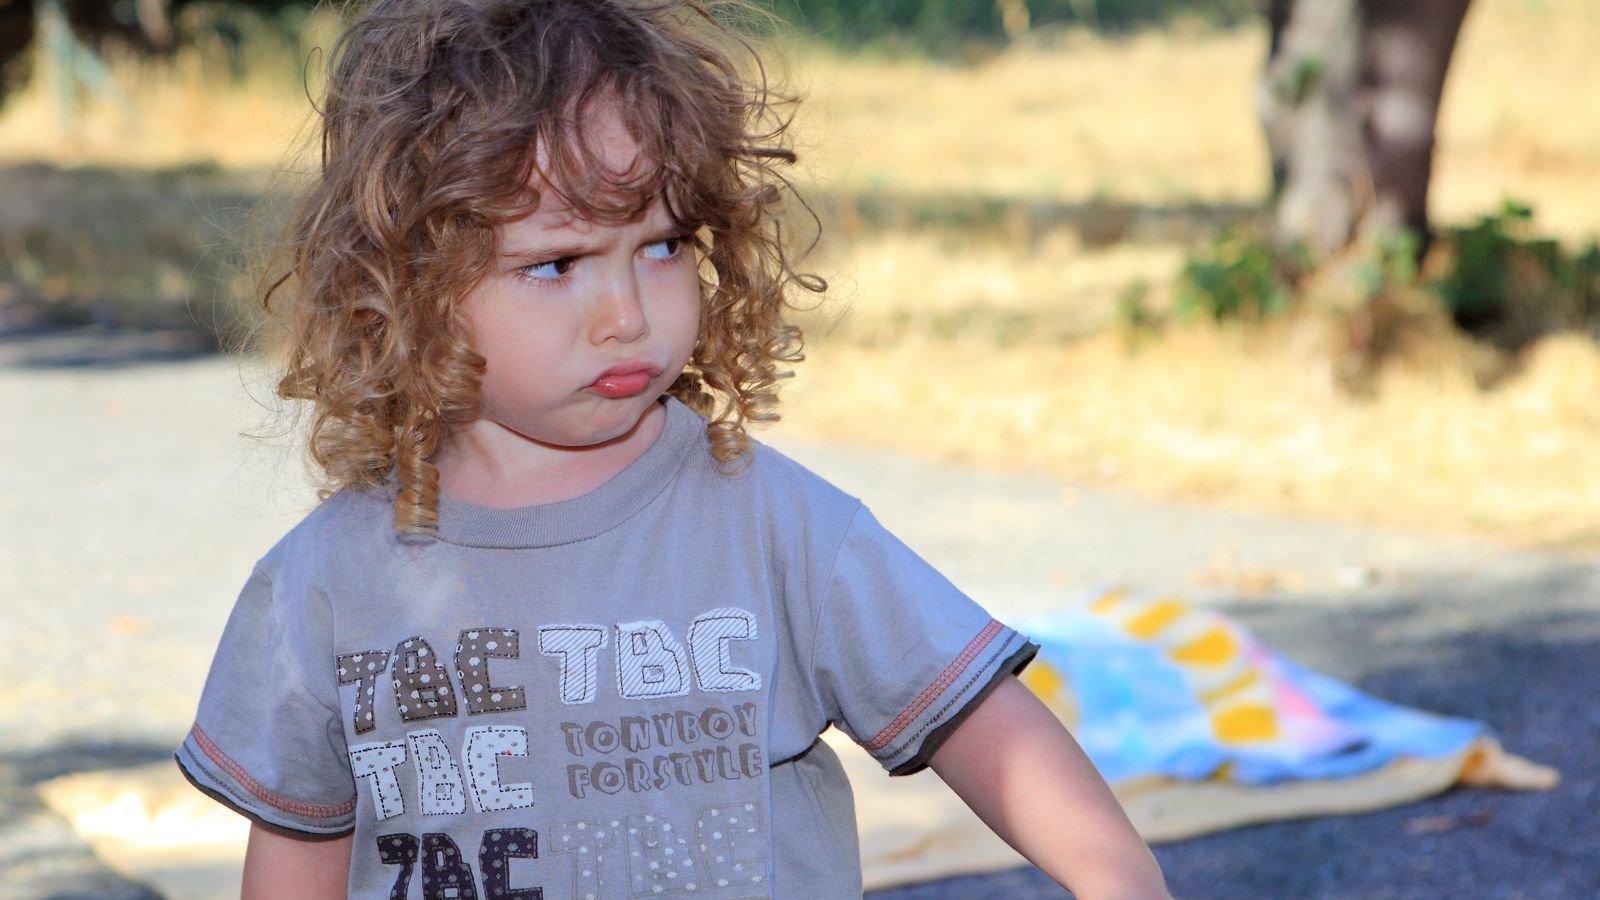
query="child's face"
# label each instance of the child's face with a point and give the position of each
(584, 324)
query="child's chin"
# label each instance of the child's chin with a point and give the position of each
(620, 418)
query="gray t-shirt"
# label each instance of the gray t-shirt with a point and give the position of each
(614, 696)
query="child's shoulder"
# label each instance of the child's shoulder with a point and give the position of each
(773, 482)
(330, 553)
(336, 526)
(776, 471)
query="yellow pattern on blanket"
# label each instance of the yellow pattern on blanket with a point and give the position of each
(1209, 650)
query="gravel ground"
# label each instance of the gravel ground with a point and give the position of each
(132, 509)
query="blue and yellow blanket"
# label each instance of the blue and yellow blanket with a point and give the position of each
(1198, 727)
(1154, 687)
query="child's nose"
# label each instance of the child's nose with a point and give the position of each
(619, 312)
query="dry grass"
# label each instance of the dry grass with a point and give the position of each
(1153, 117)
(995, 351)
(886, 287)
(1520, 115)
(201, 109)
(1248, 420)
(168, 123)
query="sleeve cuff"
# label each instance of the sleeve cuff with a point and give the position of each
(905, 745)
(217, 775)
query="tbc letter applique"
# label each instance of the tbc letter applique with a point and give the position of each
(650, 664)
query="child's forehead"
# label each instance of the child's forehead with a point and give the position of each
(553, 212)
(556, 216)
(591, 168)
(594, 135)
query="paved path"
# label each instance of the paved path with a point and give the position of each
(130, 510)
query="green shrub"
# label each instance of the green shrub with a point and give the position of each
(1475, 287)
(1236, 277)
(1386, 262)
(1500, 281)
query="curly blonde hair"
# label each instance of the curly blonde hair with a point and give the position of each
(431, 113)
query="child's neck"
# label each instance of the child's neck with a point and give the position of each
(488, 465)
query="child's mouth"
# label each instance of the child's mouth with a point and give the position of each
(623, 381)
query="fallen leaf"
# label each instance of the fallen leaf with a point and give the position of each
(1446, 824)
(125, 625)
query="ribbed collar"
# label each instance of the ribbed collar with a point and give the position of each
(584, 517)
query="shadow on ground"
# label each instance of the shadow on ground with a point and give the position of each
(1520, 653)
(41, 858)
(99, 346)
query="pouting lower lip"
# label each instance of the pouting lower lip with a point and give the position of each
(622, 383)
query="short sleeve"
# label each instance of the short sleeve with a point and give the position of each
(900, 656)
(267, 741)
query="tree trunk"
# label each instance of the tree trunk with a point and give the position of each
(1349, 100)
(16, 32)
(156, 23)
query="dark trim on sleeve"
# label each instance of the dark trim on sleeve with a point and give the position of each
(274, 827)
(1015, 663)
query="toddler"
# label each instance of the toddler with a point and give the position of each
(564, 630)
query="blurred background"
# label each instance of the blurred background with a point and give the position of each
(1068, 209)
(1310, 259)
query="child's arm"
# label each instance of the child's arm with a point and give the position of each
(1023, 774)
(278, 866)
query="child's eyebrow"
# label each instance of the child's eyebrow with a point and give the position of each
(564, 248)
(544, 252)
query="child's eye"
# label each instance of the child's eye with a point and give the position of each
(665, 249)
(548, 271)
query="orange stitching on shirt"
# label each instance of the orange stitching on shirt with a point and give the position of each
(309, 810)
(932, 691)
